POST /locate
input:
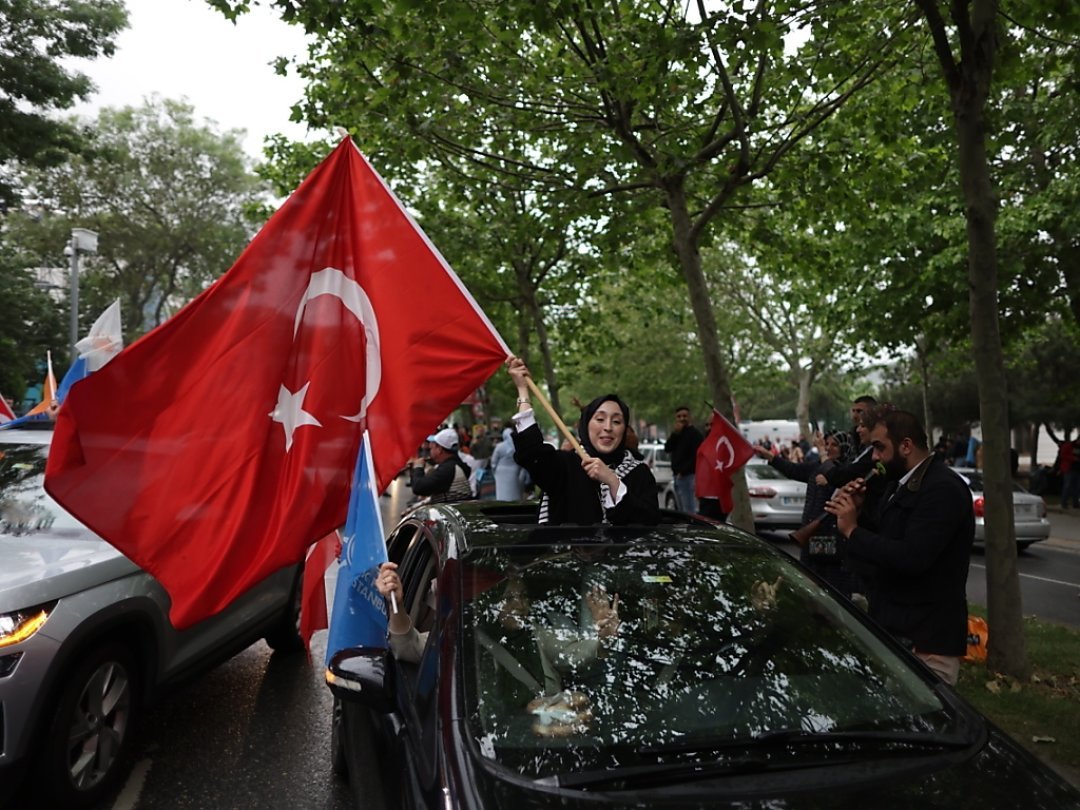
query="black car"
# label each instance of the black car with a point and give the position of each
(735, 678)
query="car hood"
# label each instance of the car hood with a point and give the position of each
(999, 775)
(46, 565)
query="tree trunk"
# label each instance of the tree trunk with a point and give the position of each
(924, 373)
(686, 250)
(969, 86)
(532, 306)
(1034, 447)
(804, 380)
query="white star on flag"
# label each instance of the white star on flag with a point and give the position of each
(290, 412)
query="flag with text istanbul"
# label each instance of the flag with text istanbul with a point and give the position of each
(217, 448)
(719, 456)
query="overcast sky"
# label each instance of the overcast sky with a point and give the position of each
(184, 49)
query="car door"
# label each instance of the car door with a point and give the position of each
(416, 682)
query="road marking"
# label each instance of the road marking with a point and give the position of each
(129, 796)
(1041, 579)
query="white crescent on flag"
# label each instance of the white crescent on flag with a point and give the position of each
(724, 441)
(331, 281)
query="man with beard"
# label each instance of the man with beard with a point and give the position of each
(917, 560)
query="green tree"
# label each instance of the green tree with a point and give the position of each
(37, 38)
(686, 104)
(966, 40)
(30, 324)
(169, 198)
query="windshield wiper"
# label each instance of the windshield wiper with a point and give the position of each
(754, 758)
(786, 738)
(626, 778)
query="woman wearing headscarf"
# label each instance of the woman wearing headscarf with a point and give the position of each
(609, 485)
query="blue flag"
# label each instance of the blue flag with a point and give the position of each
(358, 616)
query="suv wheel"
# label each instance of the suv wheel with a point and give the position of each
(285, 636)
(89, 739)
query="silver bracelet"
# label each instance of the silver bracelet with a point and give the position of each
(523, 402)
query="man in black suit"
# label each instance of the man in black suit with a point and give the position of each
(917, 560)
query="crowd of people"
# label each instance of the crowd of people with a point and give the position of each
(886, 522)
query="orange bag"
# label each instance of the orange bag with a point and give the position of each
(978, 633)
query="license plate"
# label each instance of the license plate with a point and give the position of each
(1025, 509)
(789, 501)
(823, 546)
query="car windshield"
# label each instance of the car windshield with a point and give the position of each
(25, 507)
(717, 644)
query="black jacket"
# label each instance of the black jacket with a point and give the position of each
(919, 559)
(448, 481)
(573, 497)
(682, 447)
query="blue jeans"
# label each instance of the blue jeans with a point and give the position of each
(1070, 487)
(684, 493)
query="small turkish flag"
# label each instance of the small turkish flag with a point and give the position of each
(723, 451)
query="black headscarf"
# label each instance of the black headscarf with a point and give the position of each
(587, 413)
(847, 445)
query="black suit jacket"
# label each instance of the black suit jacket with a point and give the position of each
(918, 559)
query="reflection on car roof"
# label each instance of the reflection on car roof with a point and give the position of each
(487, 524)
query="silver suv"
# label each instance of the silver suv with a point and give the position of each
(86, 643)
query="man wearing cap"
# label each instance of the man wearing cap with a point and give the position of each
(448, 480)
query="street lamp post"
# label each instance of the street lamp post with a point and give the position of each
(85, 241)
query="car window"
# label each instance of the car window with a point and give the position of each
(418, 572)
(25, 507)
(974, 479)
(764, 472)
(698, 659)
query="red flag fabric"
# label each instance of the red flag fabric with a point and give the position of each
(723, 451)
(313, 616)
(6, 414)
(218, 447)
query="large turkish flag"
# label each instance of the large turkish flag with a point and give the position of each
(217, 448)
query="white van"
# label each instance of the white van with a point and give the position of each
(787, 430)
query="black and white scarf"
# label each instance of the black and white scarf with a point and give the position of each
(625, 466)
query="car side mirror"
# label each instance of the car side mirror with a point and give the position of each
(362, 675)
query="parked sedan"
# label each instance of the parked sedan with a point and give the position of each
(659, 462)
(731, 678)
(776, 501)
(1029, 511)
(85, 639)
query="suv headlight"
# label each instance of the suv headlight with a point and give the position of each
(20, 625)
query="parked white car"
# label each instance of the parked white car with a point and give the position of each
(86, 642)
(1029, 511)
(659, 462)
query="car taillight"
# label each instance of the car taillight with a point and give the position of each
(980, 507)
(762, 492)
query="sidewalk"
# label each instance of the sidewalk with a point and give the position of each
(1064, 528)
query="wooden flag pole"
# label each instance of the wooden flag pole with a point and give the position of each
(536, 392)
